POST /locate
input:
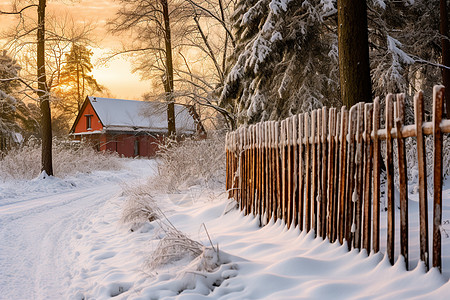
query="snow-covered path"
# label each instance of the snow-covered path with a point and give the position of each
(38, 220)
(63, 239)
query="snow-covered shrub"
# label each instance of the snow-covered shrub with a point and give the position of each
(191, 162)
(139, 207)
(24, 162)
(174, 246)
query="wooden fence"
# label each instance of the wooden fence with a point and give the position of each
(321, 171)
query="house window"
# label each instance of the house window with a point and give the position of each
(88, 122)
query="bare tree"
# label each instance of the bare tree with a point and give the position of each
(21, 39)
(182, 41)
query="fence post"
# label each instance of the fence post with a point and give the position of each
(295, 175)
(368, 111)
(359, 183)
(421, 162)
(390, 180)
(376, 176)
(342, 163)
(278, 168)
(438, 97)
(307, 175)
(350, 176)
(401, 159)
(301, 177)
(324, 171)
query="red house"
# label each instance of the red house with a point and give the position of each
(130, 128)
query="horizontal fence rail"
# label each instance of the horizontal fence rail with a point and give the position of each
(321, 171)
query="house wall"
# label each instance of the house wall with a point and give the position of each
(95, 121)
(124, 144)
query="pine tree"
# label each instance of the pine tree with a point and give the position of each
(285, 60)
(75, 80)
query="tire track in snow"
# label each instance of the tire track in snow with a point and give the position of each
(35, 255)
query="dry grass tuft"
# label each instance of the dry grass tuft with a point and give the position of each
(175, 246)
(191, 162)
(139, 207)
(69, 158)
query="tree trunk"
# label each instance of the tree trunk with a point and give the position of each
(445, 53)
(354, 68)
(44, 99)
(168, 80)
(77, 59)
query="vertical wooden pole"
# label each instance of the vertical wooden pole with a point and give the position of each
(324, 172)
(350, 176)
(343, 167)
(261, 186)
(255, 171)
(337, 167)
(273, 174)
(267, 178)
(376, 176)
(278, 168)
(295, 175)
(401, 157)
(390, 180)
(241, 168)
(368, 155)
(359, 183)
(289, 172)
(421, 164)
(318, 199)
(314, 177)
(283, 170)
(301, 167)
(438, 99)
(330, 180)
(307, 174)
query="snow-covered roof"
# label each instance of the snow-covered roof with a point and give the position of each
(119, 114)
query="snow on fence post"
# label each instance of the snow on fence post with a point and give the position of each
(403, 184)
(438, 101)
(390, 179)
(421, 163)
(376, 176)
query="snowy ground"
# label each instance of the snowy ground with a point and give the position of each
(62, 239)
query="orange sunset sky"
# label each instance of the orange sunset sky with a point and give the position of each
(116, 74)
